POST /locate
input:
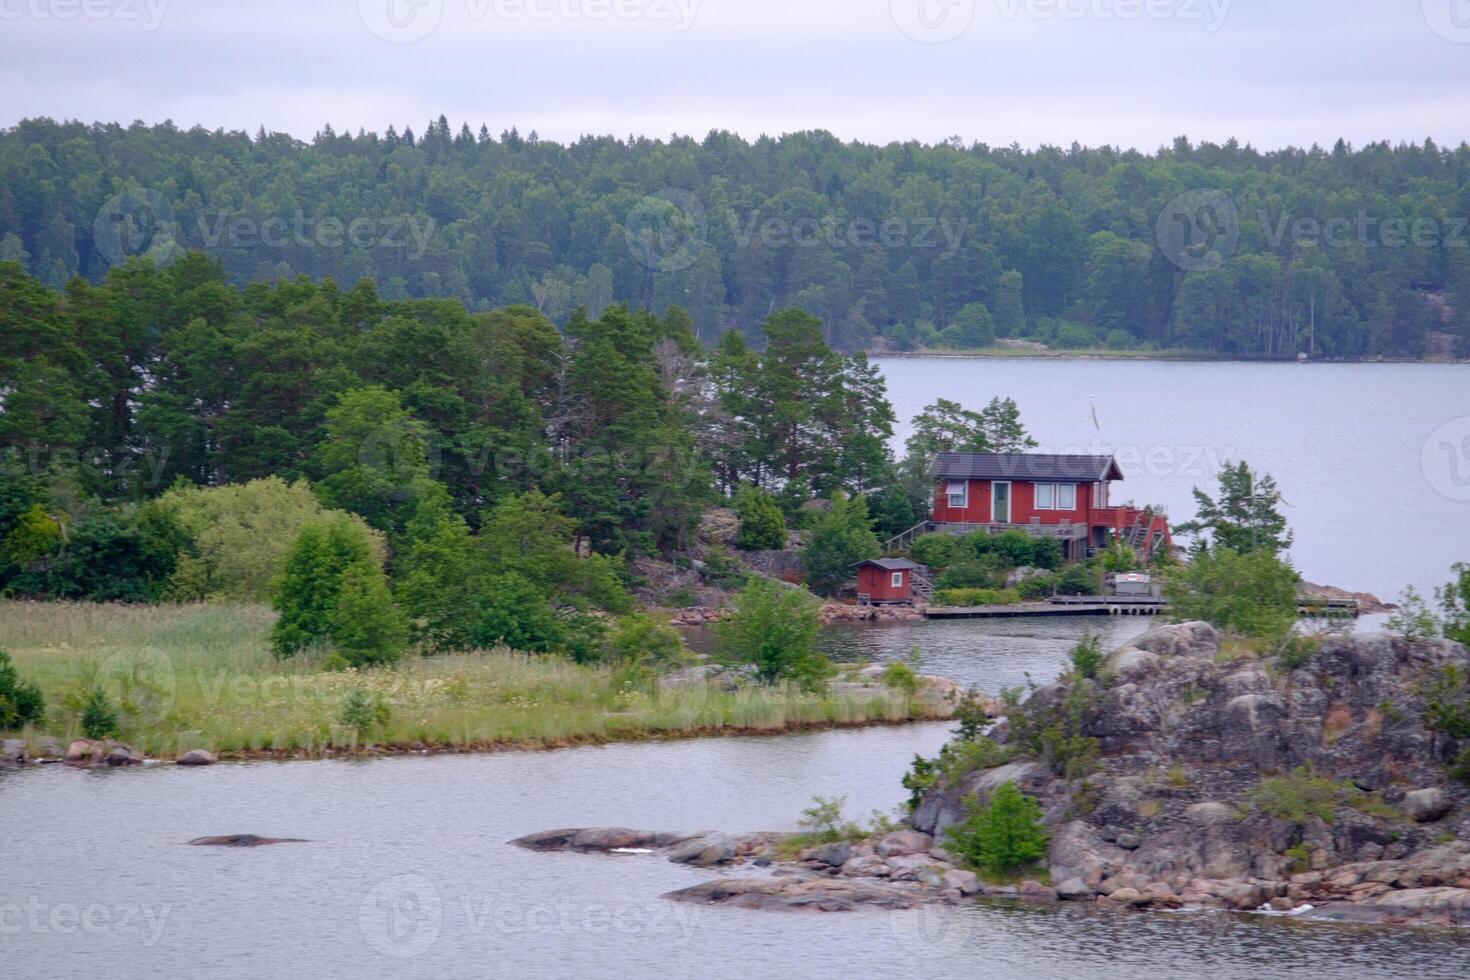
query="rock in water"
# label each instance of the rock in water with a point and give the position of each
(197, 757)
(243, 840)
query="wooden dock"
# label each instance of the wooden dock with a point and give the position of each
(1116, 606)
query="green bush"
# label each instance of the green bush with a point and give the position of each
(762, 525)
(362, 712)
(1001, 837)
(1447, 703)
(1055, 732)
(1251, 595)
(935, 550)
(21, 702)
(961, 757)
(977, 597)
(823, 823)
(775, 628)
(1087, 656)
(1078, 580)
(99, 716)
(1300, 796)
(1037, 588)
(839, 539)
(901, 677)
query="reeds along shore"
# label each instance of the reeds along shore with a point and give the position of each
(203, 676)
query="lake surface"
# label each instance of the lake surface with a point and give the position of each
(1373, 460)
(408, 874)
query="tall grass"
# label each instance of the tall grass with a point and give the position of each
(202, 676)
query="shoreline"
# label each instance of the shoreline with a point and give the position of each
(376, 751)
(991, 354)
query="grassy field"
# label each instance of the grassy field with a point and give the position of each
(202, 676)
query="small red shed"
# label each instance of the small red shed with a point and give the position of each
(886, 580)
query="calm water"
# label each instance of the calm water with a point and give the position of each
(1373, 459)
(408, 875)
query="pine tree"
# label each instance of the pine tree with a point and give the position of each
(839, 539)
(1003, 836)
(1245, 517)
(366, 626)
(762, 525)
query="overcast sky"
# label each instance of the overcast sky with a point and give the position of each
(1125, 72)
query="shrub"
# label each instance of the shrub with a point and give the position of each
(977, 597)
(775, 628)
(960, 758)
(1447, 703)
(514, 613)
(1001, 837)
(762, 525)
(1413, 620)
(21, 702)
(99, 715)
(640, 639)
(1087, 656)
(1300, 796)
(823, 823)
(935, 550)
(1055, 732)
(1251, 595)
(971, 573)
(366, 627)
(901, 677)
(1036, 588)
(1077, 580)
(1454, 600)
(362, 712)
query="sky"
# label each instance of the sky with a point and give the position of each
(1132, 73)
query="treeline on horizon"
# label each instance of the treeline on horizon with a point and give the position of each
(1343, 252)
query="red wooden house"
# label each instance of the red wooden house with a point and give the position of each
(1068, 498)
(888, 580)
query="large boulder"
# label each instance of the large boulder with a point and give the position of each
(705, 852)
(901, 842)
(12, 752)
(1426, 805)
(1181, 640)
(196, 757)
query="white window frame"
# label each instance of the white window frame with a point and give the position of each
(1057, 495)
(1054, 496)
(897, 580)
(963, 495)
(1049, 500)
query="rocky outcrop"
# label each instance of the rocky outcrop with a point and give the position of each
(100, 754)
(1368, 603)
(897, 870)
(1226, 781)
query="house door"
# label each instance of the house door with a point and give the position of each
(1000, 503)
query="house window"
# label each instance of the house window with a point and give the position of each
(959, 494)
(898, 580)
(1056, 496)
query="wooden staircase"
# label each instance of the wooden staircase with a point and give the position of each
(922, 586)
(902, 542)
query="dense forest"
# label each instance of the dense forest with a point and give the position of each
(166, 435)
(1341, 252)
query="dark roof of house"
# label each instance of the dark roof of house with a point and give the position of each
(889, 564)
(1024, 466)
